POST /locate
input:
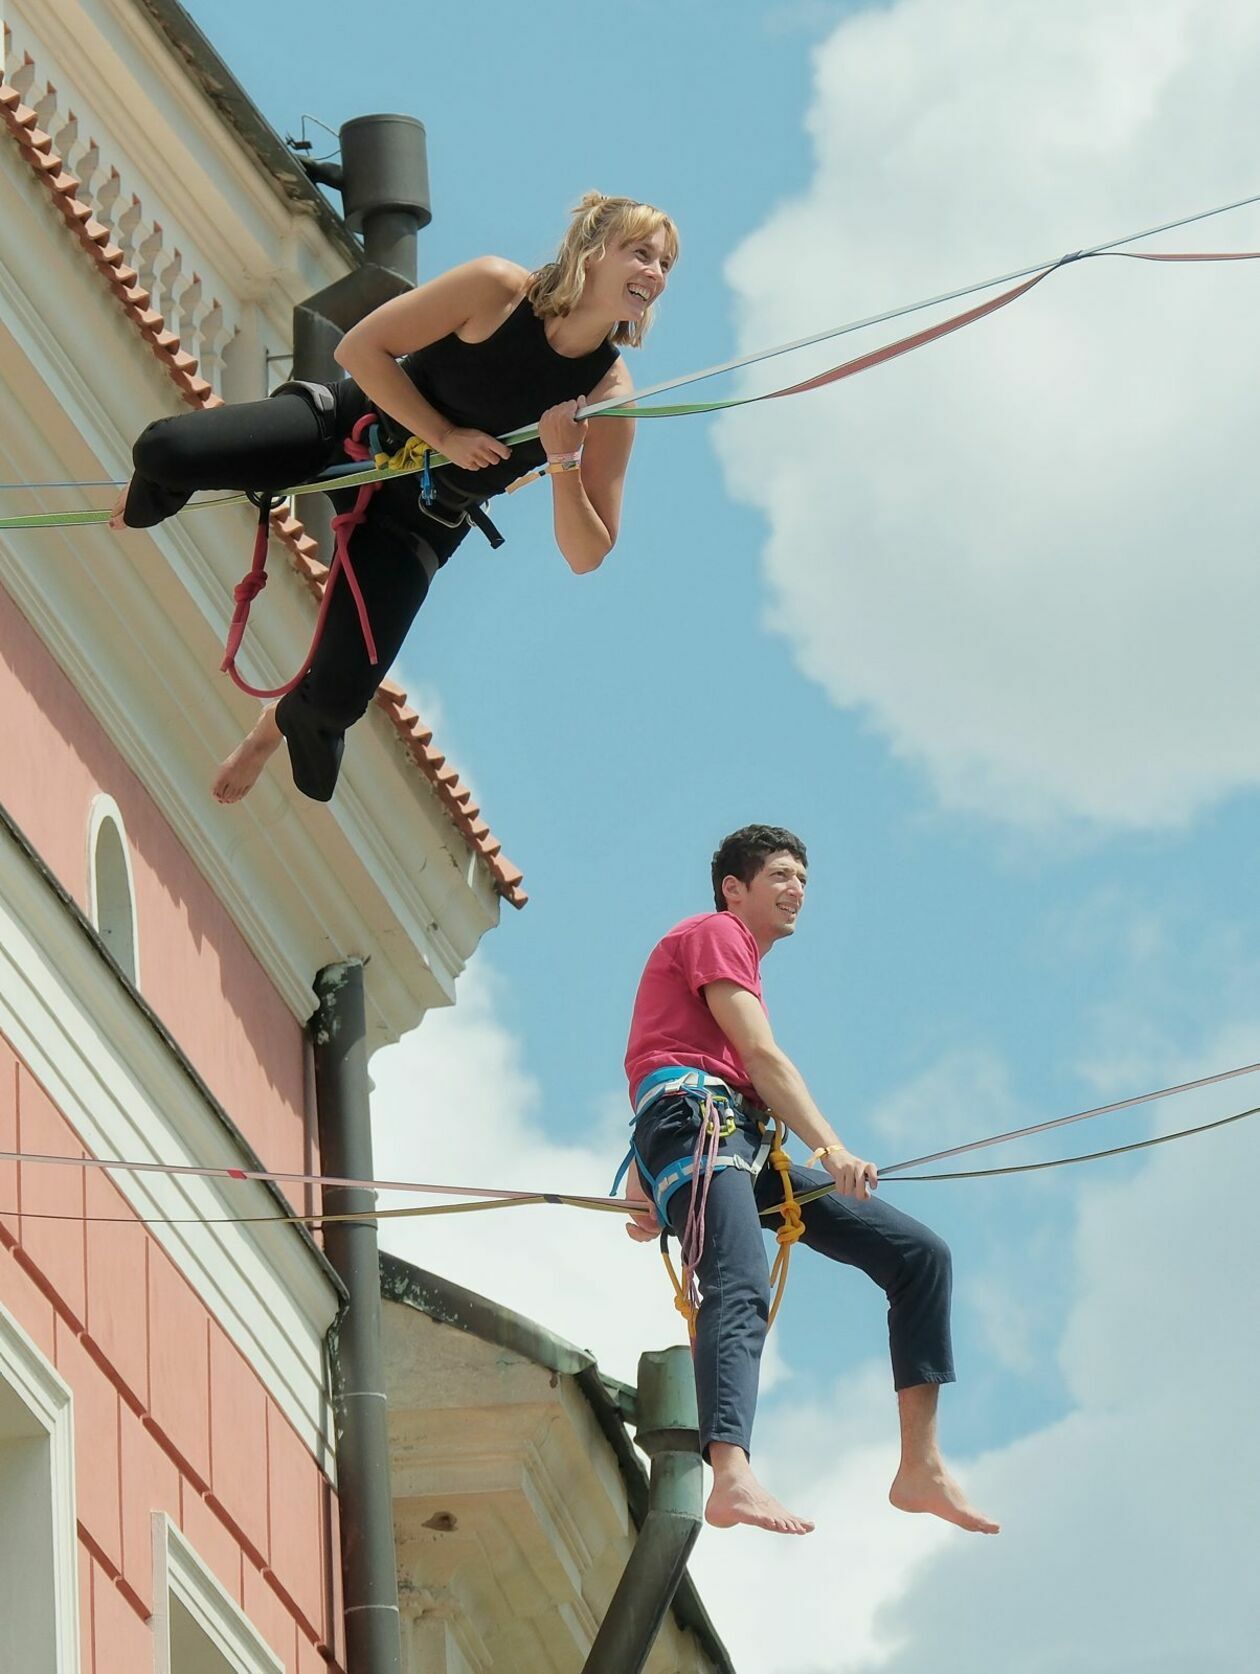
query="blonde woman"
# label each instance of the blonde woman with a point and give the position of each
(487, 348)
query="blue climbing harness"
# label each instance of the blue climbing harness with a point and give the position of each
(713, 1100)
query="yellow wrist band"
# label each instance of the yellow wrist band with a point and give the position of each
(823, 1151)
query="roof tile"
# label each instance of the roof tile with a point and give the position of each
(95, 238)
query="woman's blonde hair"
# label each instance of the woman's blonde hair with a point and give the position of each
(598, 222)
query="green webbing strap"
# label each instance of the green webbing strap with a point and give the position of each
(633, 409)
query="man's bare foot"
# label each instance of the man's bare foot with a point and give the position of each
(239, 773)
(738, 1497)
(932, 1489)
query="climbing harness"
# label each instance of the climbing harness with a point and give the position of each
(716, 1107)
(343, 526)
(792, 1229)
(437, 494)
(699, 1088)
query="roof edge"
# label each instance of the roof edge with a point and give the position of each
(198, 58)
(181, 367)
(612, 1402)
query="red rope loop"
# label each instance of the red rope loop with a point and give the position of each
(250, 585)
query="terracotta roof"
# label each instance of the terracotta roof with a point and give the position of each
(181, 367)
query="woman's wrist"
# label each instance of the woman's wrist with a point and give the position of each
(436, 433)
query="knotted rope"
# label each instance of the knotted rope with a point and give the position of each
(791, 1230)
(252, 584)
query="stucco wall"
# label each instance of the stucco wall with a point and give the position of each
(196, 970)
(168, 1415)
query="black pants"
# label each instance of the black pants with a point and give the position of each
(272, 445)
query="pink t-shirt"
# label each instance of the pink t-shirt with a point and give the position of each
(671, 1023)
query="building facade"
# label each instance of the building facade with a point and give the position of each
(168, 1456)
(167, 1482)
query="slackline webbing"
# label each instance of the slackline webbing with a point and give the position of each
(488, 1197)
(633, 408)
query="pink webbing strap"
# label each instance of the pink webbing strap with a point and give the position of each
(1187, 255)
(918, 339)
(248, 589)
(708, 1144)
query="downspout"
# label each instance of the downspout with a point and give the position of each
(668, 1432)
(368, 1564)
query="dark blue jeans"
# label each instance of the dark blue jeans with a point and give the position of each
(907, 1260)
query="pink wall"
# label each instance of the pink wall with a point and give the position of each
(196, 970)
(168, 1414)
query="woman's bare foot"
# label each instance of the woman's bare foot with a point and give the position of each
(932, 1489)
(738, 1497)
(239, 773)
(119, 507)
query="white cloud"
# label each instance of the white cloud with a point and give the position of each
(1025, 554)
(1129, 1526)
(966, 1092)
(1128, 1523)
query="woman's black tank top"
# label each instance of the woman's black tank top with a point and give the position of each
(501, 384)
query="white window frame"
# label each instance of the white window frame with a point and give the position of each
(105, 810)
(48, 1399)
(178, 1573)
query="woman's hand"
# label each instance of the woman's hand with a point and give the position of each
(118, 511)
(472, 449)
(558, 430)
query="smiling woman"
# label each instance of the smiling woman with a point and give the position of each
(481, 350)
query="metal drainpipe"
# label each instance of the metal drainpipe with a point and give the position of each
(668, 1432)
(383, 179)
(368, 1564)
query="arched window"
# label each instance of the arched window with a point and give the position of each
(111, 895)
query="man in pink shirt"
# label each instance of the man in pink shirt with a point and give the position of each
(701, 1046)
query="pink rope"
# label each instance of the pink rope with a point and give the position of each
(708, 1143)
(248, 589)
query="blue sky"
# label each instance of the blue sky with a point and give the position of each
(974, 625)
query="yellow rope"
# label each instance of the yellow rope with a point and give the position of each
(793, 1226)
(410, 457)
(682, 1301)
(789, 1233)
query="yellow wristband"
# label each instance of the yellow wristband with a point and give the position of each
(823, 1151)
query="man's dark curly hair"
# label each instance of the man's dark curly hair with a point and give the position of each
(745, 852)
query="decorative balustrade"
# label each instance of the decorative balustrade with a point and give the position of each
(177, 290)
